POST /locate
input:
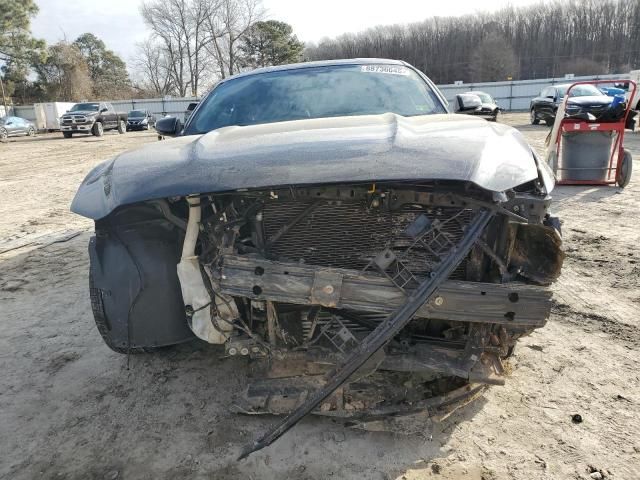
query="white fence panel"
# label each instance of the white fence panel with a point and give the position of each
(516, 95)
(158, 106)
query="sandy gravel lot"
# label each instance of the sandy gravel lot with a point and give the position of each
(72, 409)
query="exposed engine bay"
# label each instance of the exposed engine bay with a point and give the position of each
(297, 278)
(422, 289)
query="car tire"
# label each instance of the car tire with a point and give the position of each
(623, 173)
(122, 127)
(533, 119)
(550, 121)
(97, 130)
(67, 134)
(31, 132)
(3, 135)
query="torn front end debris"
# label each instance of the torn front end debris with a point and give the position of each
(364, 301)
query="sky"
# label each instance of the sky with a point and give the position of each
(119, 23)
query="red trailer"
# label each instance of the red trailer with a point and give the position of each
(577, 143)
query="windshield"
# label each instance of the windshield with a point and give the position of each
(485, 97)
(579, 91)
(317, 92)
(85, 107)
(137, 113)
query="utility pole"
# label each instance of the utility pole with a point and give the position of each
(4, 99)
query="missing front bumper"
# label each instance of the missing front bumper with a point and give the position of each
(513, 304)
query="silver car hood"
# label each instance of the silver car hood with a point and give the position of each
(385, 147)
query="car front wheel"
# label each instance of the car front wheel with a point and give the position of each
(3, 134)
(533, 117)
(67, 134)
(97, 130)
(31, 132)
(122, 127)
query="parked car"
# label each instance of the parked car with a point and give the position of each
(15, 126)
(622, 90)
(321, 215)
(583, 99)
(94, 118)
(487, 107)
(190, 108)
(140, 120)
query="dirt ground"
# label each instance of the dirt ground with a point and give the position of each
(72, 409)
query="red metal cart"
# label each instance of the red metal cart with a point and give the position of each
(618, 168)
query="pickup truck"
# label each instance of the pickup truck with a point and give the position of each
(92, 117)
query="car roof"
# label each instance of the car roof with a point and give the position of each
(567, 85)
(320, 63)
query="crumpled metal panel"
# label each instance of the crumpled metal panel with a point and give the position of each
(303, 152)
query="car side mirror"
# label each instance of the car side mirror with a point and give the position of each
(102, 110)
(467, 101)
(169, 126)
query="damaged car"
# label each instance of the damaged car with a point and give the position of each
(374, 256)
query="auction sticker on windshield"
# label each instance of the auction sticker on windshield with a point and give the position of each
(392, 69)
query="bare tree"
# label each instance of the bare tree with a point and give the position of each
(493, 60)
(584, 66)
(179, 26)
(545, 38)
(226, 24)
(152, 66)
(65, 74)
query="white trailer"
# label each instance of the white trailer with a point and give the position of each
(48, 114)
